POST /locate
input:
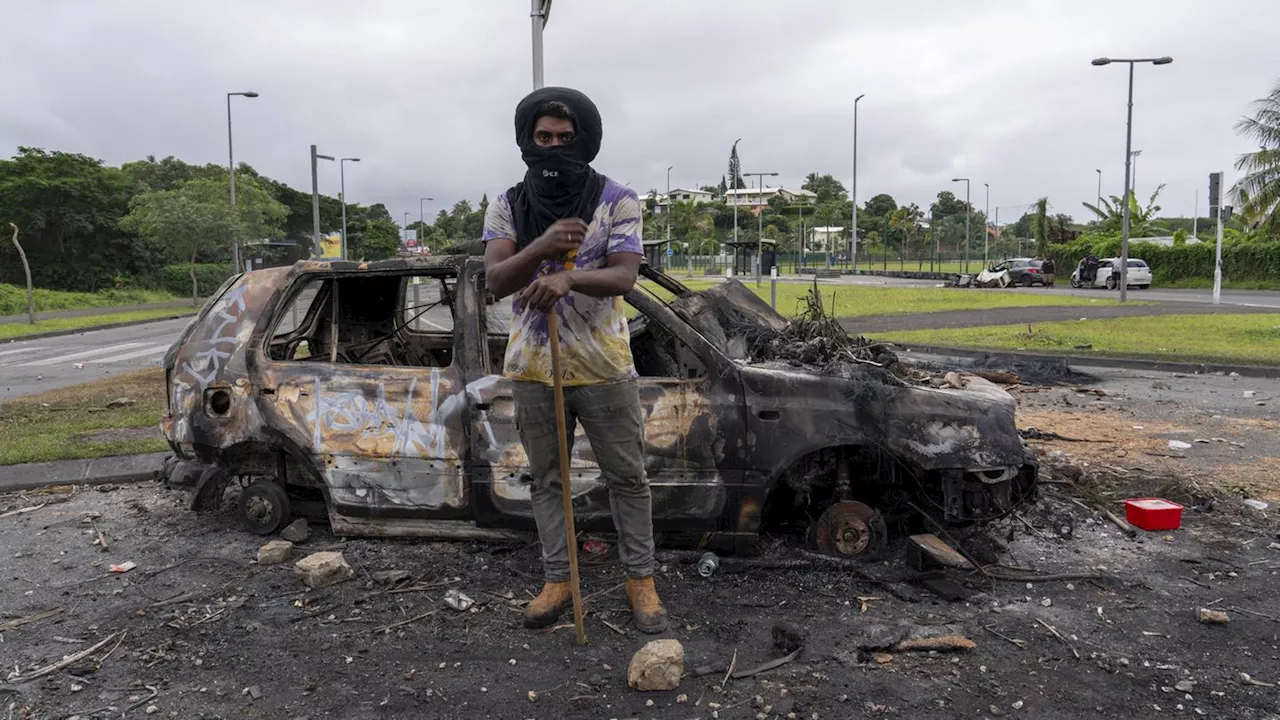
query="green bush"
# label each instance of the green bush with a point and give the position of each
(13, 299)
(1241, 261)
(176, 279)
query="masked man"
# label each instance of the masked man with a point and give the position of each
(567, 240)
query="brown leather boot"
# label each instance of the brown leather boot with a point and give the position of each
(543, 610)
(646, 608)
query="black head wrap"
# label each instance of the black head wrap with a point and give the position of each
(559, 183)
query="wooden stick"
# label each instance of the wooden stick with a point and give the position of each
(566, 490)
(11, 624)
(1058, 635)
(392, 626)
(68, 660)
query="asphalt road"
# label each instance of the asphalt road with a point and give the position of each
(28, 366)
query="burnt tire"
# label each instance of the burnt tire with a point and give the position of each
(264, 508)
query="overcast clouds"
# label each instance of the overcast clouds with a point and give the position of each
(1001, 92)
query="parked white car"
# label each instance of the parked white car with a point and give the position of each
(1108, 275)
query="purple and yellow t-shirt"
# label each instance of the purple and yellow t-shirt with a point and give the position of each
(595, 347)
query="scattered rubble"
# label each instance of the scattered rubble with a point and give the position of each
(1213, 617)
(458, 600)
(275, 552)
(296, 531)
(323, 569)
(657, 666)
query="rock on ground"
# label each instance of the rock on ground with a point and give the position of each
(276, 551)
(657, 666)
(296, 531)
(323, 569)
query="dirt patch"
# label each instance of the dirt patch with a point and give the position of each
(115, 435)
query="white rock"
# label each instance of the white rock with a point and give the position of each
(323, 569)
(657, 666)
(274, 552)
(296, 531)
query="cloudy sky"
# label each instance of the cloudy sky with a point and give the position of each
(1000, 91)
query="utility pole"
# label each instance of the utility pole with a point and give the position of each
(1195, 216)
(986, 228)
(1216, 209)
(968, 211)
(342, 175)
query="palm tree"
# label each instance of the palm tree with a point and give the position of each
(1258, 193)
(1142, 220)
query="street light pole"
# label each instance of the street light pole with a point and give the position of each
(1128, 158)
(231, 165)
(760, 214)
(315, 202)
(853, 191)
(539, 13)
(422, 221)
(986, 227)
(1099, 171)
(342, 193)
(733, 185)
(1134, 185)
(967, 213)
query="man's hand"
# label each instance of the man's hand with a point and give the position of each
(543, 293)
(562, 237)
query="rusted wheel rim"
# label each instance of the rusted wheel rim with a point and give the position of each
(260, 509)
(846, 528)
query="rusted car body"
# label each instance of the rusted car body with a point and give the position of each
(377, 387)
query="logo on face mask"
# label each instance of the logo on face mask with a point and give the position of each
(550, 173)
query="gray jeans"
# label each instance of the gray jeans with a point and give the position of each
(613, 421)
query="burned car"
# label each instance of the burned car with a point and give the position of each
(376, 389)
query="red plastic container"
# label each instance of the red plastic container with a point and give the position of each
(1153, 513)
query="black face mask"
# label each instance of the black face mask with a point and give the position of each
(559, 183)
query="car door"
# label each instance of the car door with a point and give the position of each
(379, 412)
(1104, 272)
(687, 416)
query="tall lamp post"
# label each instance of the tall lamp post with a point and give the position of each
(760, 214)
(1128, 158)
(231, 165)
(422, 220)
(967, 213)
(539, 13)
(733, 185)
(986, 227)
(342, 193)
(1133, 185)
(853, 232)
(315, 201)
(1099, 171)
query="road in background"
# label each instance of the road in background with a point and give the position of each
(29, 366)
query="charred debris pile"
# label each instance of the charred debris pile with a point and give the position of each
(813, 339)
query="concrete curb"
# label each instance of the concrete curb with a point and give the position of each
(92, 471)
(91, 328)
(1104, 361)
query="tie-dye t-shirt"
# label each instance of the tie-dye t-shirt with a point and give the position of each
(595, 347)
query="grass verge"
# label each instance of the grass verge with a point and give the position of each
(13, 299)
(1207, 284)
(1245, 339)
(10, 331)
(74, 422)
(860, 300)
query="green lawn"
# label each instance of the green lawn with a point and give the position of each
(75, 422)
(13, 330)
(13, 299)
(1207, 284)
(860, 300)
(1247, 339)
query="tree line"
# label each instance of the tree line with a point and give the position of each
(88, 226)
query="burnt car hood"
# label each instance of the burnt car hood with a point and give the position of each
(934, 428)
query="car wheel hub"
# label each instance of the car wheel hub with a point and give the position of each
(845, 528)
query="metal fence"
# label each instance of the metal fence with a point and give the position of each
(795, 263)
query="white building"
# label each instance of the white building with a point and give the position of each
(697, 197)
(754, 197)
(825, 239)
